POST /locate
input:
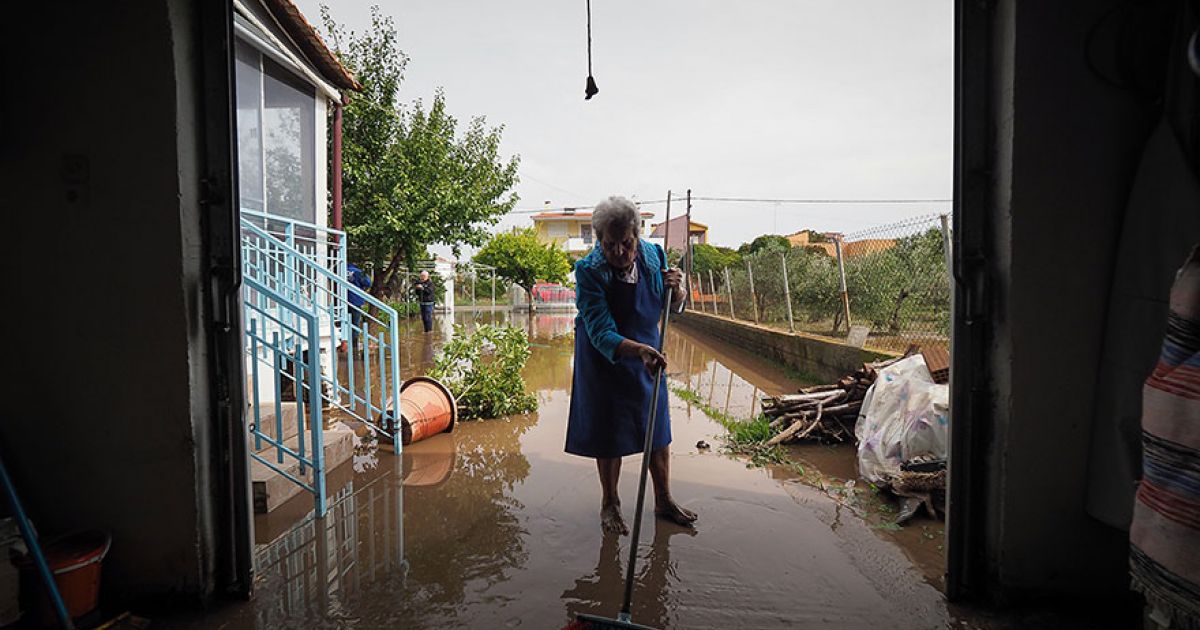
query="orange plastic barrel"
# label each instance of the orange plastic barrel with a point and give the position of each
(76, 562)
(426, 408)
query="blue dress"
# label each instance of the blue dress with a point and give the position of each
(610, 396)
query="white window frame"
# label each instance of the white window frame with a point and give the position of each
(261, 39)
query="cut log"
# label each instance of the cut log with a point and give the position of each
(817, 389)
(786, 434)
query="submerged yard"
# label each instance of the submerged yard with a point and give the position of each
(494, 525)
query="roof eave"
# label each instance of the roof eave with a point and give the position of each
(310, 43)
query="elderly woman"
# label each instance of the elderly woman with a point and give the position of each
(620, 288)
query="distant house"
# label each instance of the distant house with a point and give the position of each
(803, 238)
(867, 246)
(697, 232)
(850, 249)
(570, 229)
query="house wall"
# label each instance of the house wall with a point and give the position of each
(1063, 148)
(542, 229)
(109, 418)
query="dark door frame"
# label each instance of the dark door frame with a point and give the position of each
(966, 558)
(233, 555)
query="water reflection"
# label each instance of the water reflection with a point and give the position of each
(465, 532)
(601, 591)
(493, 526)
(450, 497)
(308, 572)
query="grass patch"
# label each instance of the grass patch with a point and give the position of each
(748, 437)
(743, 437)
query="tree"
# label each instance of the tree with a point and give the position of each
(765, 243)
(411, 178)
(901, 283)
(710, 257)
(522, 259)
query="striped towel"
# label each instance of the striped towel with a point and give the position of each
(1165, 536)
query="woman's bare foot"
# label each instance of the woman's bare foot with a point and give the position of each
(611, 520)
(672, 511)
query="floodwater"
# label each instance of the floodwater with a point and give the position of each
(494, 526)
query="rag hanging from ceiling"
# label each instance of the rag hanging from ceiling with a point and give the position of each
(590, 89)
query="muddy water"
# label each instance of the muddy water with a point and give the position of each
(494, 526)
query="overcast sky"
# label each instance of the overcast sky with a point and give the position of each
(792, 99)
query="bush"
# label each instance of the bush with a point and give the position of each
(483, 371)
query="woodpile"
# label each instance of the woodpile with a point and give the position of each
(824, 413)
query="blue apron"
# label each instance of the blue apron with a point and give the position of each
(610, 401)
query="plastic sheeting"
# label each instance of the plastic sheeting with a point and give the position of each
(904, 415)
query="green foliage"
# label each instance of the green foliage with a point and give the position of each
(404, 310)
(765, 243)
(483, 371)
(411, 178)
(901, 286)
(713, 258)
(522, 259)
(816, 237)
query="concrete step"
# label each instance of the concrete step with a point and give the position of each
(271, 489)
(291, 426)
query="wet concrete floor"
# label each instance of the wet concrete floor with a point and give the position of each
(493, 526)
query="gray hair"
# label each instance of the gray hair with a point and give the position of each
(616, 213)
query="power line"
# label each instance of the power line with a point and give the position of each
(548, 184)
(757, 200)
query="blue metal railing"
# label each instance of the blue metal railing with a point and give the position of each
(366, 383)
(289, 346)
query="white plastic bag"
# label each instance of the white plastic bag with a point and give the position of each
(904, 415)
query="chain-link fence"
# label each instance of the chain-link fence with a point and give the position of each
(890, 283)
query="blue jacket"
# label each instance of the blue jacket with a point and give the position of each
(593, 277)
(358, 279)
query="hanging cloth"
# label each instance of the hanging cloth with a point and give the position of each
(1161, 224)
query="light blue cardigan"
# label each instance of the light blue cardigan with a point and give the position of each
(593, 277)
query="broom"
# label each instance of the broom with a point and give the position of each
(623, 620)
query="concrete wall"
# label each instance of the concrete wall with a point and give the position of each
(105, 328)
(821, 359)
(1064, 151)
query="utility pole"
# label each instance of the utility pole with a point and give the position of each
(687, 243)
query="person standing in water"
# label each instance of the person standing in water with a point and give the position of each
(620, 287)
(423, 290)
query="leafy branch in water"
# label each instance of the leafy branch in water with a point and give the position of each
(483, 371)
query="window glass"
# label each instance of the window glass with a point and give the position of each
(288, 131)
(585, 232)
(249, 126)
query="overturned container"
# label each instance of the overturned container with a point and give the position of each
(426, 408)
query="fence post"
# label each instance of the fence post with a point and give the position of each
(729, 290)
(787, 292)
(712, 285)
(949, 254)
(837, 244)
(753, 298)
